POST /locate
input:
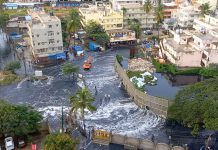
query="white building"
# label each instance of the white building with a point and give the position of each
(185, 15)
(190, 49)
(136, 11)
(206, 24)
(45, 36)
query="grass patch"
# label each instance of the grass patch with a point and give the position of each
(131, 74)
(6, 77)
(16, 12)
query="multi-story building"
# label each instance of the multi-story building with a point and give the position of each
(206, 24)
(45, 36)
(169, 8)
(136, 11)
(103, 14)
(185, 15)
(121, 36)
(190, 49)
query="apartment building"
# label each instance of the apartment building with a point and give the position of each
(185, 15)
(190, 48)
(123, 36)
(103, 14)
(169, 8)
(136, 11)
(206, 24)
(45, 36)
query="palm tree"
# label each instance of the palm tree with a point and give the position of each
(205, 9)
(124, 11)
(73, 24)
(80, 101)
(159, 16)
(69, 69)
(147, 8)
(135, 25)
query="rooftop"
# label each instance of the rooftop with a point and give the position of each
(119, 30)
(205, 37)
(178, 47)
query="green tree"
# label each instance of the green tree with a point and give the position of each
(4, 17)
(205, 9)
(196, 106)
(124, 11)
(210, 71)
(147, 8)
(135, 25)
(96, 31)
(159, 16)
(59, 141)
(18, 119)
(82, 100)
(73, 24)
(12, 66)
(69, 69)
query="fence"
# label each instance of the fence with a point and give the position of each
(155, 104)
(101, 137)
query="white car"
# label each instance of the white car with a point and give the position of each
(9, 143)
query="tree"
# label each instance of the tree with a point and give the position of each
(59, 141)
(159, 16)
(96, 31)
(135, 25)
(124, 11)
(18, 120)
(196, 106)
(4, 17)
(80, 101)
(205, 9)
(69, 69)
(73, 24)
(147, 8)
(12, 66)
(210, 71)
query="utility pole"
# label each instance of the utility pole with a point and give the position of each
(62, 119)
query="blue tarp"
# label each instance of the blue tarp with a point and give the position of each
(93, 46)
(57, 56)
(77, 48)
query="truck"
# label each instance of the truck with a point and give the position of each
(94, 47)
(77, 50)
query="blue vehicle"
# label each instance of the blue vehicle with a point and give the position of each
(78, 50)
(94, 47)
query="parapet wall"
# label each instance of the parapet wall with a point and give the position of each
(155, 104)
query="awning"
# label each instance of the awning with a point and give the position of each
(61, 56)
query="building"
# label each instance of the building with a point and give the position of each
(45, 36)
(185, 15)
(190, 48)
(206, 24)
(103, 14)
(169, 8)
(136, 11)
(123, 36)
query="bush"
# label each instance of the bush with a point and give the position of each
(119, 58)
(6, 77)
(12, 66)
(131, 74)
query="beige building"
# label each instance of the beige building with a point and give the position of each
(206, 24)
(121, 36)
(103, 14)
(45, 35)
(190, 49)
(136, 11)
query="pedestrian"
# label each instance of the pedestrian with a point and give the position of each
(152, 138)
(96, 89)
(170, 139)
(109, 97)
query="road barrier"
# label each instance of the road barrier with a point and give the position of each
(105, 138)
(156, 104)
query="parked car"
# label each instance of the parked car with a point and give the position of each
(9, 143)
(148, 32)
(21, 143)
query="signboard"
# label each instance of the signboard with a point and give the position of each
(33, 146)
(103, 135)
(38, 73)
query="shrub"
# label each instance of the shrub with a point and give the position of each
(6, 77)
(131, 74)
(119, 58)
(12, 66)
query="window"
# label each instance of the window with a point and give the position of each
(50, 26)
(51, 41)
(38, 43)
(56, 25)
(37, 35)
(32, 35)
(60, 48)
(58, 33)
(50, 33)
(57, 41)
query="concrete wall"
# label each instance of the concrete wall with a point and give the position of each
(155, 104)
(135, 143)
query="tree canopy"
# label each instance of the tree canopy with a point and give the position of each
(4, 17)
(59, 141)
(205, 9)
(96, 31)
(18, 119)
(135, 25)
(12, 66)
(196, 106)
(69, 69)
